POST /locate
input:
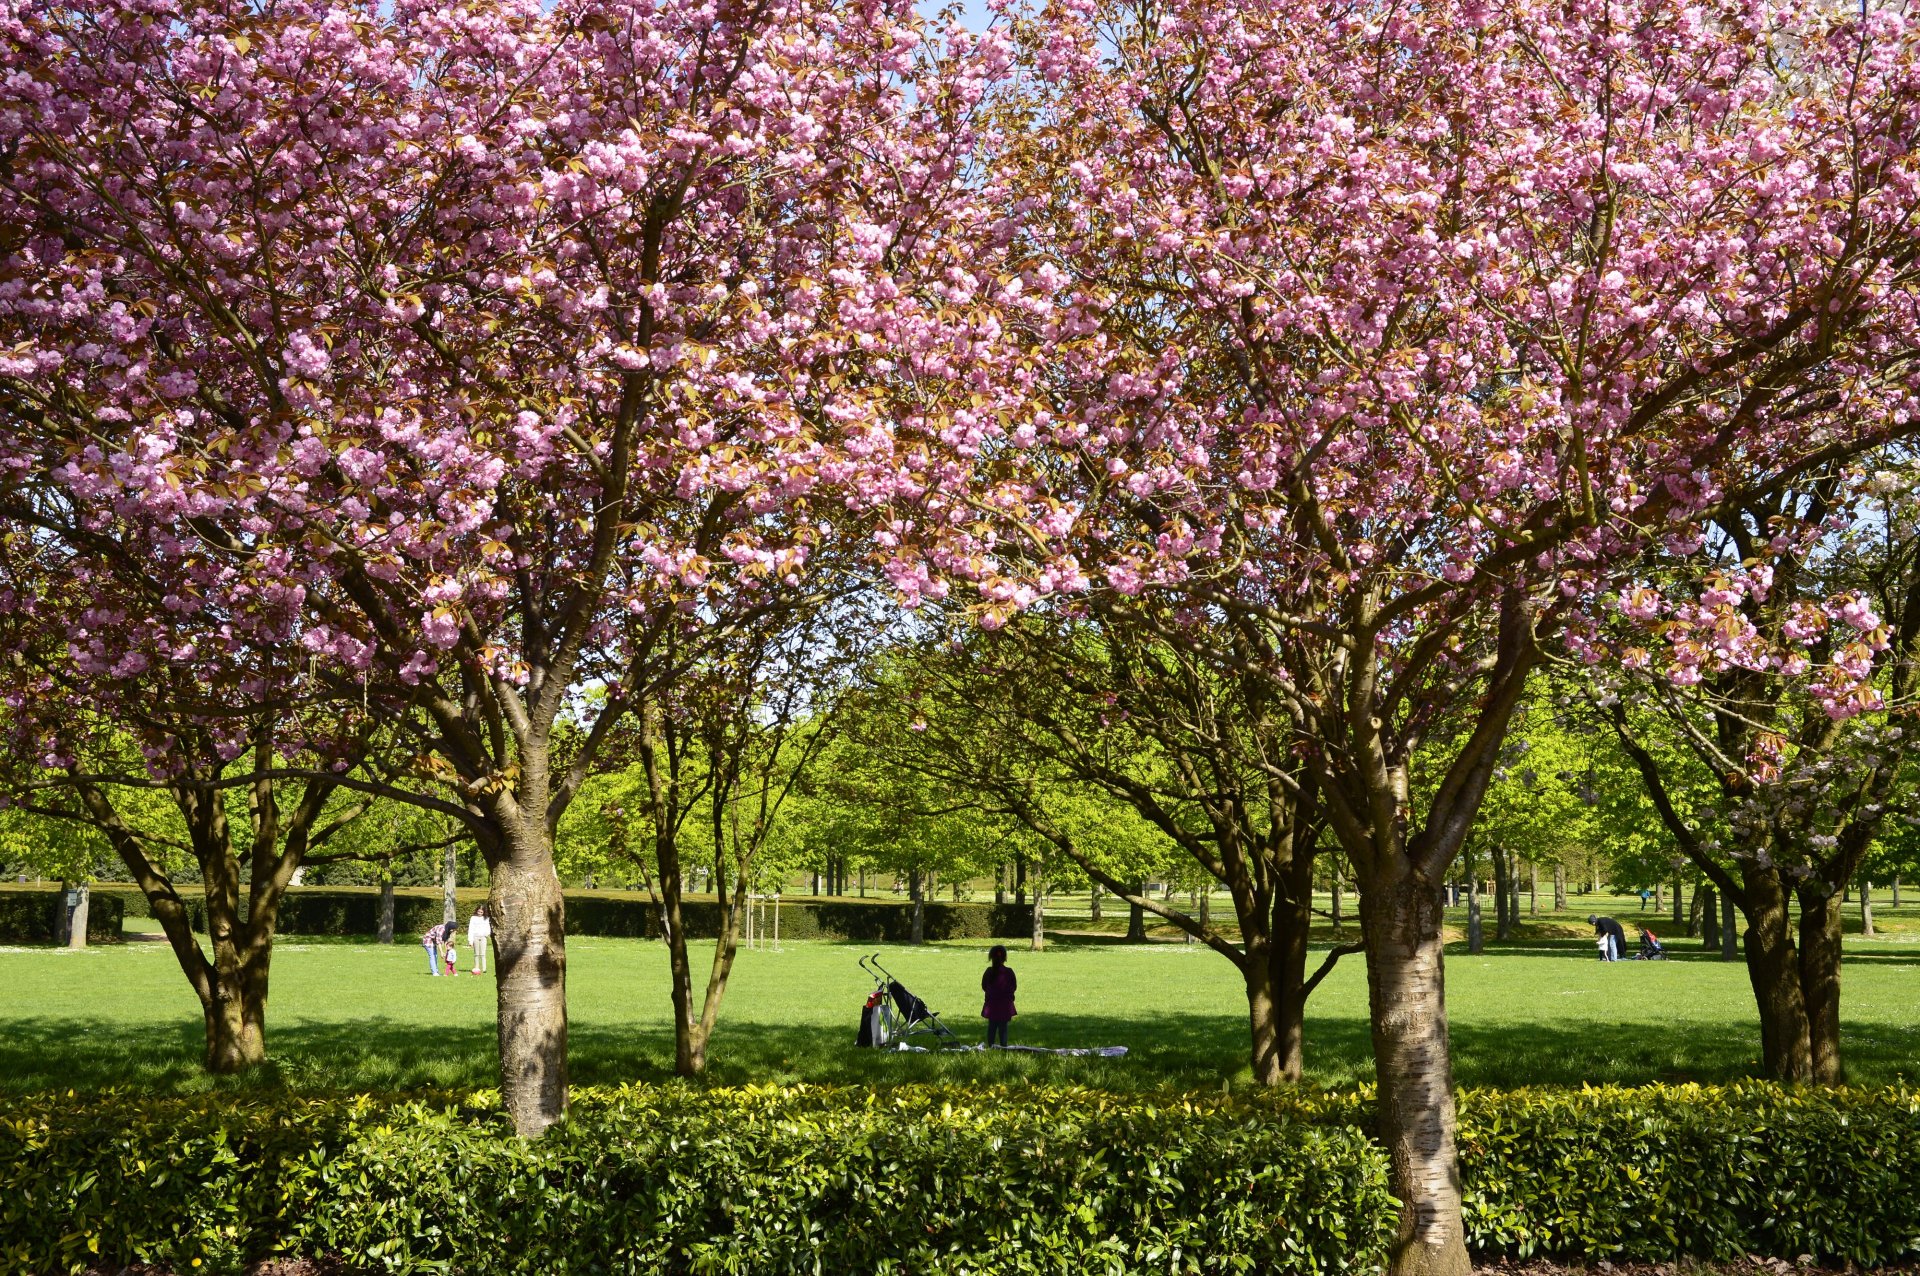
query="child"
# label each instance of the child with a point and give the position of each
(998, 984)
(453, 964)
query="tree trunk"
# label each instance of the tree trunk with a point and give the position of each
(918, 934)
(1659, 898)
(1896, 890)
(77, 918)
(1679, 901)
(1533, 889)
(1503, 910)
(1773, 968)
(236, 1008)
(1820, 938)
(1337, 920)
(1559, 888)
(1476, 932)
(1729, 930)
(386, 912)
(1039, 919)
(530, 948)
(1866, 906)
(1407, 994)
(1703, 915)
(1093, 904)
(1000, 885)
(863, 881)
(449, 882)
(1020, 880)
(1137, 919)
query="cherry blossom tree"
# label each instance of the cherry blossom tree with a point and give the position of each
(1390, 337)
(1798, 774)
(131, 712)
(517, 338)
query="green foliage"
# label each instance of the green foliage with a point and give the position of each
(32, 916)
(940, 1179)
(669, 1179)
(1710, 1171)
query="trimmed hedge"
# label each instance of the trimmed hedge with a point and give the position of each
(33, 916)
(319, 910)
(671, 1180)
(1711, 1171)
(674, 1179)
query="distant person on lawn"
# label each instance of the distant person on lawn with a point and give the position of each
(998, 983)
(479, 931)
(431, 939)
(1613, 940)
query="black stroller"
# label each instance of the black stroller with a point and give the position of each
(1651, 949)
(892, 1013)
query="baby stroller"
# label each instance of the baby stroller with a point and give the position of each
(892, 1013)
(1651, 949)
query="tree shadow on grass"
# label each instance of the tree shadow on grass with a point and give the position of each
(1173, 1051)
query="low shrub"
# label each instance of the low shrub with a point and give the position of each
(1708, 1171)
(33, 916)
(672, 1179)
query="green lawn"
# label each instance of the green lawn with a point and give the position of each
(356, 1016)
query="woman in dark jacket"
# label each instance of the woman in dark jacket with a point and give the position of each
(998, 983)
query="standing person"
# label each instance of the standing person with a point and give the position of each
(479, 931)
(998, 983)
(430, 940)
(453, 939)
(1645, 895)
(1615, 939)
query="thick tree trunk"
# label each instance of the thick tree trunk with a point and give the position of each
(1773, 968)
(1729, 928)
(386, 912)
(530, 947)
(1407, 994)
(1866, 906)
(1137, 919)
(1559, 888)
(1093, 904)
(1896, 890)
(1706, 902)
(236, 1008)
(1820, 983)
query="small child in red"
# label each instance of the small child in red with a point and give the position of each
(453, 966)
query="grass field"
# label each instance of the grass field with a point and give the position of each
(363, 1016)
